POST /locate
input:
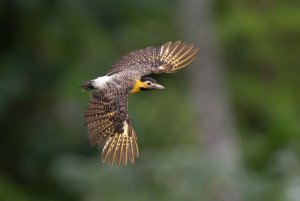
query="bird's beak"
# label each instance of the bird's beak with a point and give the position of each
(158, 86)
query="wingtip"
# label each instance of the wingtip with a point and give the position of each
(177, 55)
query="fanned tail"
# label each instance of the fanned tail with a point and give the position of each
(121, 147)
(87, 85)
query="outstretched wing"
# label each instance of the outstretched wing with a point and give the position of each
(168, 58)
(109, 126)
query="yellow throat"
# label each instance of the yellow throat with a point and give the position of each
(137, 86)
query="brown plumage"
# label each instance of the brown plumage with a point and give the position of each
(106, 116)
(168, 58)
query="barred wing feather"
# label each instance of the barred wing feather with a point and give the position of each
(109, 126)
(168, 58)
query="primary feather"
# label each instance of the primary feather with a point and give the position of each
(168, 58)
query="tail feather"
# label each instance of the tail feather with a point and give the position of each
(87, 85)
(121, 147)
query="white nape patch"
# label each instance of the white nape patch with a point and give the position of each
(161, 67)
(100, 82)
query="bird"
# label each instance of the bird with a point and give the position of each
(106, 116)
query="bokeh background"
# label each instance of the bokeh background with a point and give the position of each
(227, 128)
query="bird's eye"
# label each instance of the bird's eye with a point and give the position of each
(148, 83)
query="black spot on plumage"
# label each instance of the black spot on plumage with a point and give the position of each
(119, 128)
(144, 89)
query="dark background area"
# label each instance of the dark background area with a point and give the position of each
(251, 61)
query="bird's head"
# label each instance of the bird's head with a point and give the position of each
(145, 84)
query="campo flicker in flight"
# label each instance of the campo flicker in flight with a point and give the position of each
(106, 116)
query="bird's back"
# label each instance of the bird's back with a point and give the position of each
(120, 83)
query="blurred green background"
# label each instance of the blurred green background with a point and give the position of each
(47, 48)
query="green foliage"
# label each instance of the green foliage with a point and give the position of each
(262, 45)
